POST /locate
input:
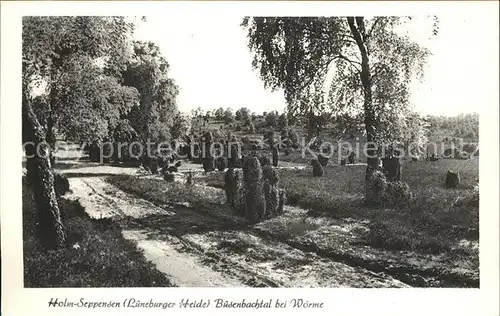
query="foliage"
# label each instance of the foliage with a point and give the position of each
(180, 126)
(95, 250)
(323, 160)
(148, 71)
(77, 59)
(462, 125)
(61, 184)
(243, 114)
(228, 116)
(219, 114)
(275, 154)
(317, 168)
(220, 163)
(271, 118)
(370, 63)
(254, 191)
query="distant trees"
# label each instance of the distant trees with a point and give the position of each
(228, 116)
(219, 114)
(463, 125)
(242, 115)
(271, 118)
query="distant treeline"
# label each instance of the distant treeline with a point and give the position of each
(462, 125)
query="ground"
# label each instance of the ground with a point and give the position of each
(191, 236)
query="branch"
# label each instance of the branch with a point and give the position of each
(352, 62)
(361, 26)
(372, 28)
(357, 36)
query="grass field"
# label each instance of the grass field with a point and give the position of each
(438, 220)
(440, 230)
(96, 254)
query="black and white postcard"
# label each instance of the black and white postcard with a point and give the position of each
(336, 158)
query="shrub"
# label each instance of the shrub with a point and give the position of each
(171, 169)
(169, 177)
(282, 201)
(452, 179)
(398, 193)
(189, 179)
(381, 192)
(220, 163)
(270, 174)
(239, 199)
(264, 160)
(287, 152)
(153, 165)
(238, 128)
(254, 191)
(208, 164)
(229, 185)
(323, 160)
(376, 187)
(351, 158)
(317, 168)
(269, 138)
(234, 160)
(61, 184)
(275, 156)
(272, 198)
(392, 168)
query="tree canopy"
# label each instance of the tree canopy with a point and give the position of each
(338, 63)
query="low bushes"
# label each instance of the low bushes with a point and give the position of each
(61, 184)
(254, 194)
(379, 191)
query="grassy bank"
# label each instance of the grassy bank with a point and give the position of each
(96, 254)
(431, 244)
(438, 220)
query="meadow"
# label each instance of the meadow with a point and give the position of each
(436, 236)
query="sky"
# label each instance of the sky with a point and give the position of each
(211, 63)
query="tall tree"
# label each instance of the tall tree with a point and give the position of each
(148, 71)
(48, 43)
(372, 64)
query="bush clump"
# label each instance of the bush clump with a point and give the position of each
(254, 190)
(317, 168)
(379, 191)
(234, 160)
(398, 193)
(256, 194)
(376, 187)
(323, 160)
(275, 156)
(220, 163)
(452, 179)
(61, 184)
(264, 161)
(208, 164)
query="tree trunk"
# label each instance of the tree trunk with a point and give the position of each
(51, 138)
(370, 123)
(49, 226)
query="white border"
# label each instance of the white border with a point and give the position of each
(19, 301)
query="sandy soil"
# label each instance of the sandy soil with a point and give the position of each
(196, 249)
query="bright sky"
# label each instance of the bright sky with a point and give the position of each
(211, 63)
